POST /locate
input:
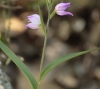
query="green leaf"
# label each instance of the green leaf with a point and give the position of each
(52, 14)
(61, 60)
(20, 64)
(42, 22)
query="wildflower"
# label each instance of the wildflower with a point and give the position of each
(61, 7)
(34, 21)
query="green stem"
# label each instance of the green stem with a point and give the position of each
(45, 41)
(42, 59)
(43, 52)
(7, 33)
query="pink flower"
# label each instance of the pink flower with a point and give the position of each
(34, 21)
(61, 7)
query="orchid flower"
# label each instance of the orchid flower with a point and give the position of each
(61, 7)
(34, 21)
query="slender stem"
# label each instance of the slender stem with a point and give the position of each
(7, 33)
(42, 59)
(43, 53)
(44, 47)
(3, 16)
(45, 41)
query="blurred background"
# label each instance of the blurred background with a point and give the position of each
(65, 35)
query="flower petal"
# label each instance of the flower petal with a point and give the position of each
(64, 13)
(62, 6)
(32, 26)
(35, 18)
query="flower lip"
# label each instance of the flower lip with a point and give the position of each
(64, 13)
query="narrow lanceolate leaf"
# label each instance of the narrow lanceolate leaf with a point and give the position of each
(42, 22)
(20, 64)
(61, 60)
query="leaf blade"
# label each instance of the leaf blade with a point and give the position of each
(42, 22)
(61, 60)
(20, 64)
